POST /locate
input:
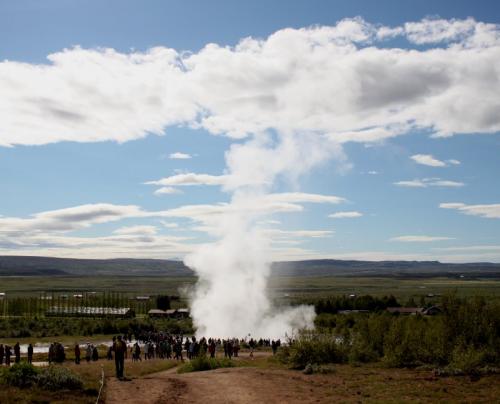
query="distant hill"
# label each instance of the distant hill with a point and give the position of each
(47, 266)
(329, 267)
(36, 266)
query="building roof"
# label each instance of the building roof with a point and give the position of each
(405, 310)
(157, 311)
(113, 311)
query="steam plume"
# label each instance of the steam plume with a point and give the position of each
(231, 296)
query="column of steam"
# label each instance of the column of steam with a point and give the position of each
(230, 298)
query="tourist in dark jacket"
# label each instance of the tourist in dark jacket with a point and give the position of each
(7, 355)
(30, 353)
(120, 347)
(17, 352)
(77, 354)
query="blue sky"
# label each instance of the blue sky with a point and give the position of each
(424, 186)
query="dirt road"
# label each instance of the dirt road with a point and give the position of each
(230, 385)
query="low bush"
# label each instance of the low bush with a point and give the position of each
(59, 378)
(202, 363)
(313, 348)
(321, 369)
(52, 378)
(20, 374)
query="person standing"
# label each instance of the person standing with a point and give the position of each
(30, 353)
(95, 354)
(77, 354)
(211, 348)
(17, 352)
(7, 355)
(88, 352)
(2, 352)
(120, 349)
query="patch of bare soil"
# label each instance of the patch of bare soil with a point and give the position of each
(231, 385)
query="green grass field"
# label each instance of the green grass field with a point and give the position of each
(282, 288)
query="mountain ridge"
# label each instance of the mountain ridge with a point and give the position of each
(11, 265)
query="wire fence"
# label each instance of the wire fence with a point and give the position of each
(102, 385)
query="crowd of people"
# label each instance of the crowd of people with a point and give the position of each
(147, 345)
(6, 353)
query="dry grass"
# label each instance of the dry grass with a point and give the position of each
(91, 375)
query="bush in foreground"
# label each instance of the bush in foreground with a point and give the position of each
(59, 378)
(313, 348)
(202, 363)
(19, 375)
(52, 378)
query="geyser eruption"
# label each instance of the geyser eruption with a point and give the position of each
(230, 298)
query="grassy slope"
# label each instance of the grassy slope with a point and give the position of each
(279, 287)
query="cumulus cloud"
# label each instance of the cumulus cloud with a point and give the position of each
(491, 211)
(179, 156)
(419, 239)
(429, 182)
(90, 95)
(342, 215)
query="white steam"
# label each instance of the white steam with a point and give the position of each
(231, 296)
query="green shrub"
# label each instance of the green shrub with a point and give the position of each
(313, 348)
(202, 363)
(21, 374)
(321, 369)
(467, 360)
(362, 352)
(59, 378)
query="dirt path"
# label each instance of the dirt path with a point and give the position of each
(348, 384)
(231, 385)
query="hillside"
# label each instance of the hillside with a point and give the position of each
(36, 266)
(47, 266)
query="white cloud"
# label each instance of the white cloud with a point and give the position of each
(167, 191)
(341, 215)
(278, 234)
(427, 160)
(140, 229)
(439, 30)
(68, 219)
(179, 156)
(46, 233)
(446, 183)
(411, 183)
(429, 182)
(90, 95)
(169, 225)
(431, 161)
(491, 211)
(470, 248)
(373, 172)
(419, 239)
(188, 179)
